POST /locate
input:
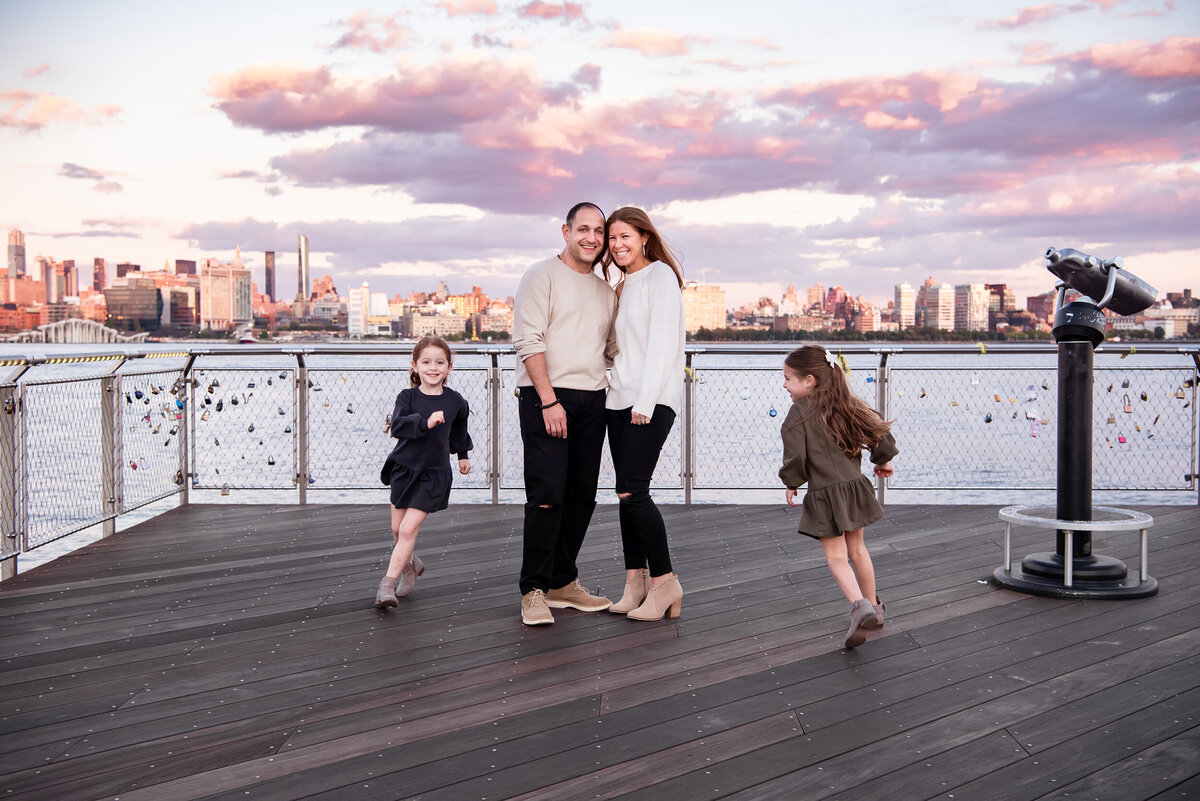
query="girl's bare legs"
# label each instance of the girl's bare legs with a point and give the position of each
(405, 525)
(837, 558)
(860, 559)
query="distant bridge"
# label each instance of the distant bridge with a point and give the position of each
(74, 331)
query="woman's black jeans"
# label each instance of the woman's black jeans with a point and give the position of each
(635, 451)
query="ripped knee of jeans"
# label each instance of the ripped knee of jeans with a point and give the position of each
(629, 498)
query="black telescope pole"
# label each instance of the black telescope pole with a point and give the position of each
(1075, 443)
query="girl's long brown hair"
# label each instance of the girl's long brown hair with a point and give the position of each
(656, 248)
(424, 342)
(852, 423)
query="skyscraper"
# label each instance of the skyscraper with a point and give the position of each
(16, 253)
(269, 283)
(70, 279)
(185, 267)
(905, 313)
(99, 274)
(970, 307)
(302, 271)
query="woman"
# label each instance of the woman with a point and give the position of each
(644, 397)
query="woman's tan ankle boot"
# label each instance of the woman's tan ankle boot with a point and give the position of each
(665, 599)
(635, 593)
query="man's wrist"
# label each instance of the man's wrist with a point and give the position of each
(544, 406)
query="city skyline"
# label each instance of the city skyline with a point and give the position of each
(422, 141)
(114, 273)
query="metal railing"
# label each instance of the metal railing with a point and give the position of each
(129, 428)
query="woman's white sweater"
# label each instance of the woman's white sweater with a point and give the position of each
(648, 368)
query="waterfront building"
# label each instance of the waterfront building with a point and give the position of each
(1174, 321)
(497, 317)
(939, 306)
(419, 324)
(178, 308)
(135, 305)
(327, 307)
(269, 278)
(70, 279)
(16, 253)
(790, 302)
(23, 290)
(466, 305)
(358, 310)
(835, 300)
(357, 304)
(99, 274)
(302, 290)
(970, 307)
(905, 311)
(866, 317)
(815, 297)
(703, 307)
(323, 286)
(1042, 306)
(225, 296)
(814, 320)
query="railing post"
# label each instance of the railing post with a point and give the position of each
(497, 418)
(881, 379)
(11, 545)
(302, 429)
(1195, 424)
(689, 423)
(188, 393)
(111, 453)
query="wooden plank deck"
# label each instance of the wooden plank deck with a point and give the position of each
(225, 652)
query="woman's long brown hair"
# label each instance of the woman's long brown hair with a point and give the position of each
(852, 423)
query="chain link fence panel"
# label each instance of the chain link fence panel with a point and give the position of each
(244, 428)
(739, 414)
(11, 476)
(150, 450)
(995, 428)
(668, 474)
(348, 436)
(62, 456)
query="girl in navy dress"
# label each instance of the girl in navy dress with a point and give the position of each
(430, 421)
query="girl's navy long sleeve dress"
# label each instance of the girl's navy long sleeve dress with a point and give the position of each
(418, 468)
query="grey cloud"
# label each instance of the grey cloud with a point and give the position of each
(70, 170)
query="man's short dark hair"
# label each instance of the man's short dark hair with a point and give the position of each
(575, 210)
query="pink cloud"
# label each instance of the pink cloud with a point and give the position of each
(1174, 57)
(1030, 15)
(30, 112)
(651, 41)
(33, 72)
(365, 31)
(455, 91)
(760, 42)
(566, 12)
(459, 7)
(270, 80)
(879, 120)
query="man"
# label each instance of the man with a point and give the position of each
(563, 335)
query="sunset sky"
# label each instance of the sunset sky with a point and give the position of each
(860, 143)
